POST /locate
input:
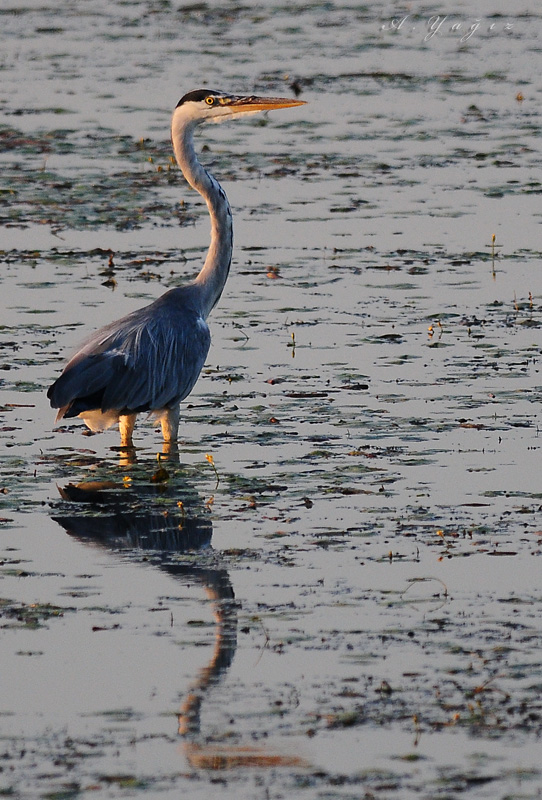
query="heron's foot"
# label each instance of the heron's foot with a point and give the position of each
(170, 450)
(126, 427)
(127, 456)
(170, 424)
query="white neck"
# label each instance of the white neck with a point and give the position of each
(214, 272)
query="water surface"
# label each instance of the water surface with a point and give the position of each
(355, 608)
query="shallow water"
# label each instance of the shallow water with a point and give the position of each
(350, 606)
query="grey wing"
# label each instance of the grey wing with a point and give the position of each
(145, 361)
(161, 366)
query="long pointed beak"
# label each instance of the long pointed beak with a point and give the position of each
(246, 104)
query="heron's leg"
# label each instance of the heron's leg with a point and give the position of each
(126, 427)
(170, 423)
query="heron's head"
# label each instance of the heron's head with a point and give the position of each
(206, 105)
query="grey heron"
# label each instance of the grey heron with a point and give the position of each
(150, 359)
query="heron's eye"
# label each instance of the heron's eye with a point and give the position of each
(210, 100)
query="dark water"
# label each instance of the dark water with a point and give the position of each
(354, 610)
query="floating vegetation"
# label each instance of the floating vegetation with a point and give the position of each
(332, 588)
(28, 616)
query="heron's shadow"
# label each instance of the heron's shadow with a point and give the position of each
(168, 525)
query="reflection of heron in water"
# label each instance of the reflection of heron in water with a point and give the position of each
(151, 359)
(129, 519)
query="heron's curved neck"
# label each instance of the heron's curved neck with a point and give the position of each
(214, 272)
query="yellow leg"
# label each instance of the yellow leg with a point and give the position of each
(170, 424)
(126, 427)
